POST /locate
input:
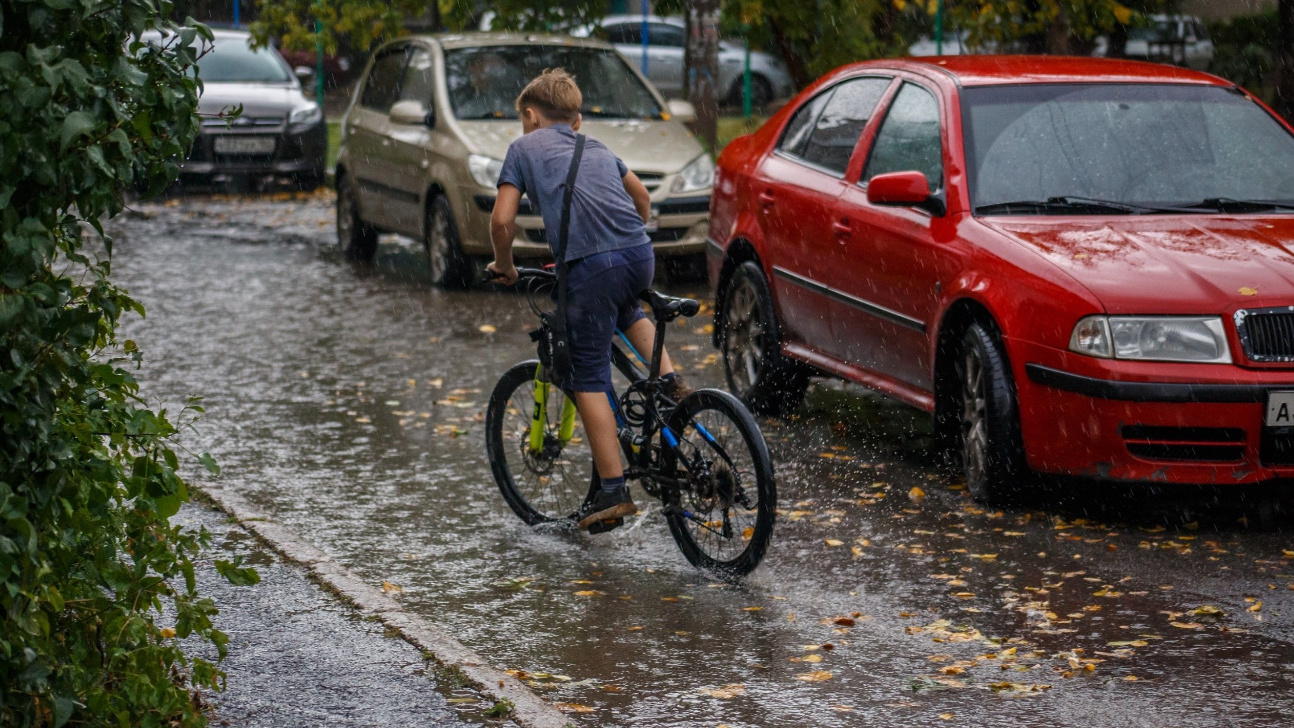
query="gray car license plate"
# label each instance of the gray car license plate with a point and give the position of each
(1280, 409)
(244, 145)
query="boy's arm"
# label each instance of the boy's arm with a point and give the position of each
(503, 230)
(639, 194)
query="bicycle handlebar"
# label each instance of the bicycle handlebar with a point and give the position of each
(524, 274)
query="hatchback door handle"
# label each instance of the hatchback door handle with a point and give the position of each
(767, 199)
(842, 228)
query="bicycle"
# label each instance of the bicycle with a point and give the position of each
(703, 456)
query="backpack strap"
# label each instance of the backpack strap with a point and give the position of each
(561, 352)
(567, 194)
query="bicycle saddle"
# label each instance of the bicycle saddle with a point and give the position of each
(668, 308)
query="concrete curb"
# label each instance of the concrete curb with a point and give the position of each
(528, 709)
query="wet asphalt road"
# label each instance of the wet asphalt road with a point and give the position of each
(347, 400)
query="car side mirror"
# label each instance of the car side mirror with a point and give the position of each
(904, 189)
(413, 113)
(305, 74)
(681, 111)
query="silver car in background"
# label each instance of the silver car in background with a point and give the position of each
(666, 43)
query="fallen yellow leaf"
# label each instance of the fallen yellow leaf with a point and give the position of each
(808, 658)
(589, 593)
(390, 588)
(751, 609)
(945, 716)
(916, 493)
(815, 676)
(486, 329)
(1187, 625)
(725, 692)
(1247, 291)
(834, 542)
(572, 708)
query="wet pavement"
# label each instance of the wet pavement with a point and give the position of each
(300, 657)
(347, 401)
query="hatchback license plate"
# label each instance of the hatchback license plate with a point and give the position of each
(244, 145)
(1280, 409)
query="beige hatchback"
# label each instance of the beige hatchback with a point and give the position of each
(428, 126)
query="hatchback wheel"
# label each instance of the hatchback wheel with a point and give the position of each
(357, 238)
(752, 347)
(991, 450)
(448, 266)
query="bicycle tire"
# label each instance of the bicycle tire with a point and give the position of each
(550, 487)
(701, 511)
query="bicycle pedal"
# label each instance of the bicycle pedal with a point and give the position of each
(609, 524)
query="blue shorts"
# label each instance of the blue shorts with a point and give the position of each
(602, 296)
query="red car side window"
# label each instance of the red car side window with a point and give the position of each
(841, 123)
(796, 136)
(909, 138)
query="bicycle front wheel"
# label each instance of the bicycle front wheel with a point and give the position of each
(536, 447)
(722, 506)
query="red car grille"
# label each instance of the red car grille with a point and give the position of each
(1185, 444)
(1267, 334)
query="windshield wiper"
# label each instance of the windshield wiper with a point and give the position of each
(1227, 204)
(1068, 203)
(601, 114)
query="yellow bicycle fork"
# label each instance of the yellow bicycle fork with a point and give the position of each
(565, 431)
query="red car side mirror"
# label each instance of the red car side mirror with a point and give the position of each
(908, 189)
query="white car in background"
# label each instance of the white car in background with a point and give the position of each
(666, 43)
(1182, 40)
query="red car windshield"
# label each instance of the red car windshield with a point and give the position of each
(1124, 148)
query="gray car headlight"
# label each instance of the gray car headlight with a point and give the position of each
(698, 175)
(485, 170)
(305, 115)
(1197, 339)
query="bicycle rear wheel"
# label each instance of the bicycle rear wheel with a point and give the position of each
(546, 478)
(721, 513)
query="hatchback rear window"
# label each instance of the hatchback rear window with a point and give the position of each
(484, 81)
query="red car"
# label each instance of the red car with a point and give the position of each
(1078, 266)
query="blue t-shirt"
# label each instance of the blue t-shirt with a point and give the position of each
(603, 216)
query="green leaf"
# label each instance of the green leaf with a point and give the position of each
(76, 124)
(209, 463)
(235, 574)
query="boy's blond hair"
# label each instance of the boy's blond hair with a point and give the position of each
(554, 94)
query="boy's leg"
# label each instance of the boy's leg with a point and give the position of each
(593, 297)
(642, 334)
(600, 427)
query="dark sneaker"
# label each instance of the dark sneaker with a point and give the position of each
(608, 507)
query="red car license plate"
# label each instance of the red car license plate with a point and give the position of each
(1280, 409)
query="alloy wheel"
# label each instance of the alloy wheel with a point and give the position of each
(744, 333)
(438, 245)
(974, 416)
(345, 213)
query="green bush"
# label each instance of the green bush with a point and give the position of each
(88, 479)
(1244, 51)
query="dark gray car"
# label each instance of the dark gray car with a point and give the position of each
(281, 133)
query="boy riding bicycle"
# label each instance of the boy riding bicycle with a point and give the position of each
(608, 255)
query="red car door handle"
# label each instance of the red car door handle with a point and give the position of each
(842, 228)
(767, 199)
